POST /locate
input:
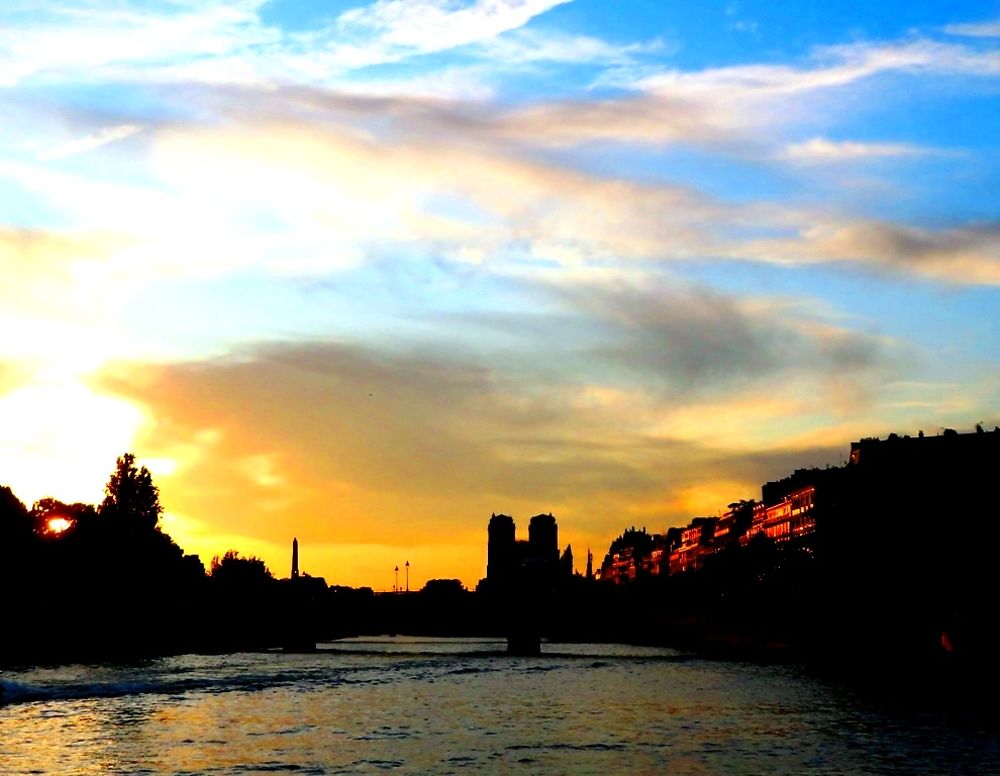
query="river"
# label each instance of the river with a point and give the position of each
(446, 706)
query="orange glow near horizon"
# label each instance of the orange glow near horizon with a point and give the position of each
(234, 477)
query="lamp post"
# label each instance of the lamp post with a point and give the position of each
(407, 576)
(395, 587)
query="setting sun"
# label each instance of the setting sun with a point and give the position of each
(57, 525)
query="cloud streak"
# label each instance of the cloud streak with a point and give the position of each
(349, 195)
(216, 42)
(820, 150)
(695, 341)
(84, 144)
(990, 29)
(400, 29)
(835, 66)
(968, 255)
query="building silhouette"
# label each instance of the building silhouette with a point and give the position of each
(534, 562)
(501, 550)
(885, 503)
(543, 539)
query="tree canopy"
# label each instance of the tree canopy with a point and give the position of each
(14, 519)
(640, 541)
(234, 569)
(130, 495)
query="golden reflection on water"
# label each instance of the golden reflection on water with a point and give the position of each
(359, 714)
(61, 738)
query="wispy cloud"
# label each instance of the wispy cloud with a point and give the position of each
(989, 29)
(96, 140)
(736, 21)
(735, 106)
(89, 42)
(219, 42)
(969, 255)
(822, 150)
(530, 46)
(351, 195)
(834, 66)
(399, 28)
(693, 341)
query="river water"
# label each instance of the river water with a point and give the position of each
(462, 706)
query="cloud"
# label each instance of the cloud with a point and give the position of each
(348, 179)
(834, 66)
(968, 255)
(726, 108)
(528, 46)
(697, 342)
(822, 150)
(229, 43)
(660, 120)
(346, 191)
(989, 29)
(732, 11)
(736, 109)
(96, 140)
(219, 42)
(87, 41)
(724, 103)
(44, 271)
(555, 214)
(606, 407)
(404, 28)
(372, 448)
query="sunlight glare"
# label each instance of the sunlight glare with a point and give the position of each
(56, 525)
(62, 440)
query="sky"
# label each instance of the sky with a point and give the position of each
(364, 274)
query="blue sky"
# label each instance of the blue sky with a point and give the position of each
(365, 273)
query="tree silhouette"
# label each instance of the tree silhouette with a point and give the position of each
(131, 498)
(15, 523)
(234, 570)
(640, 542)
(17, 541)
(47, 509)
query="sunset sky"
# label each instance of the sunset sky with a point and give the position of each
(364, 274)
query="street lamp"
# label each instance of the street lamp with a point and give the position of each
(407, 576)
(395, 587)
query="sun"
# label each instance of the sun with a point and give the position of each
(56, 525)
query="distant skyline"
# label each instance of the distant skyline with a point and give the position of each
(366, 273)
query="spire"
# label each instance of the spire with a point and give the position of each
(295, 558)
